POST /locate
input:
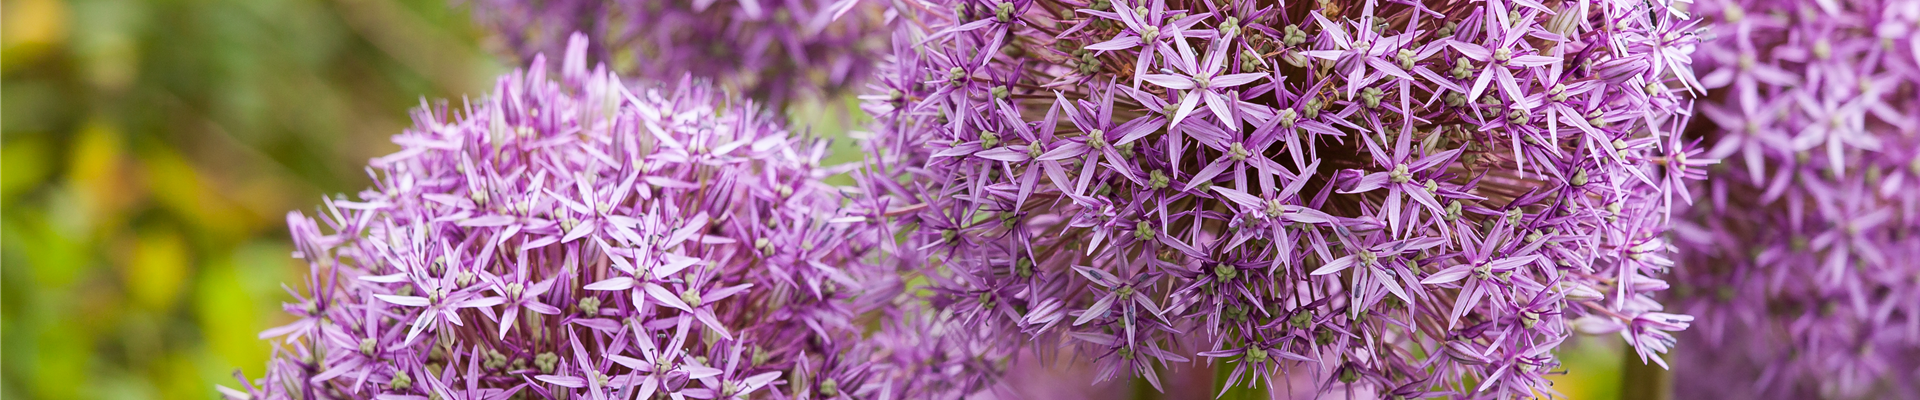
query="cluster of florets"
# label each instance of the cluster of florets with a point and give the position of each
(573, 238)
(769, 50)
(1400, 198)
(1802, 255)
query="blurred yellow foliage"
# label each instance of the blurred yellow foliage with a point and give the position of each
(147, 153)
(158, 266)
(23, 164)
(33, 27)
(180, 189)
(228, 317)
(97, 171)
(62, 359)
(1592, 367)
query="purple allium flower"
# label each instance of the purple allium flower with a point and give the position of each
(1394, 198)
(578, 238)
(772, 51)
(1802, 263)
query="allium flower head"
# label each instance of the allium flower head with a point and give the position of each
(575, 238)
(1407, 199)
(770, 50)
(1803, 261)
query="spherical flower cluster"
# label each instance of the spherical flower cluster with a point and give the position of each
(1800, 258)
(573, 238)
(1404, 199)
(770, 50)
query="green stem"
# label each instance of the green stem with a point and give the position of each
(1143, 390)
(1221, 370)
(1644, 380)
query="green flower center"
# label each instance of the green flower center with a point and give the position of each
(1462, 68)
(1097, 139)
(1143, 231)
(1275, 208)
(1399, 174)
(1225, 272)
(1256, 355)
(1293, 36)
(692, 298)
(829, 388)
(1157, 180)
(545, 362)
(1301, 320)
(401, 381)
(1406, 58)
(764, 245)
(590, 306)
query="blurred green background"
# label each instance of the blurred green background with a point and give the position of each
(149, 151)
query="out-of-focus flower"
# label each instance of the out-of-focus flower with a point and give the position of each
(1802, 264)
(772, 51)
(1416, 198)
(576, 238)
